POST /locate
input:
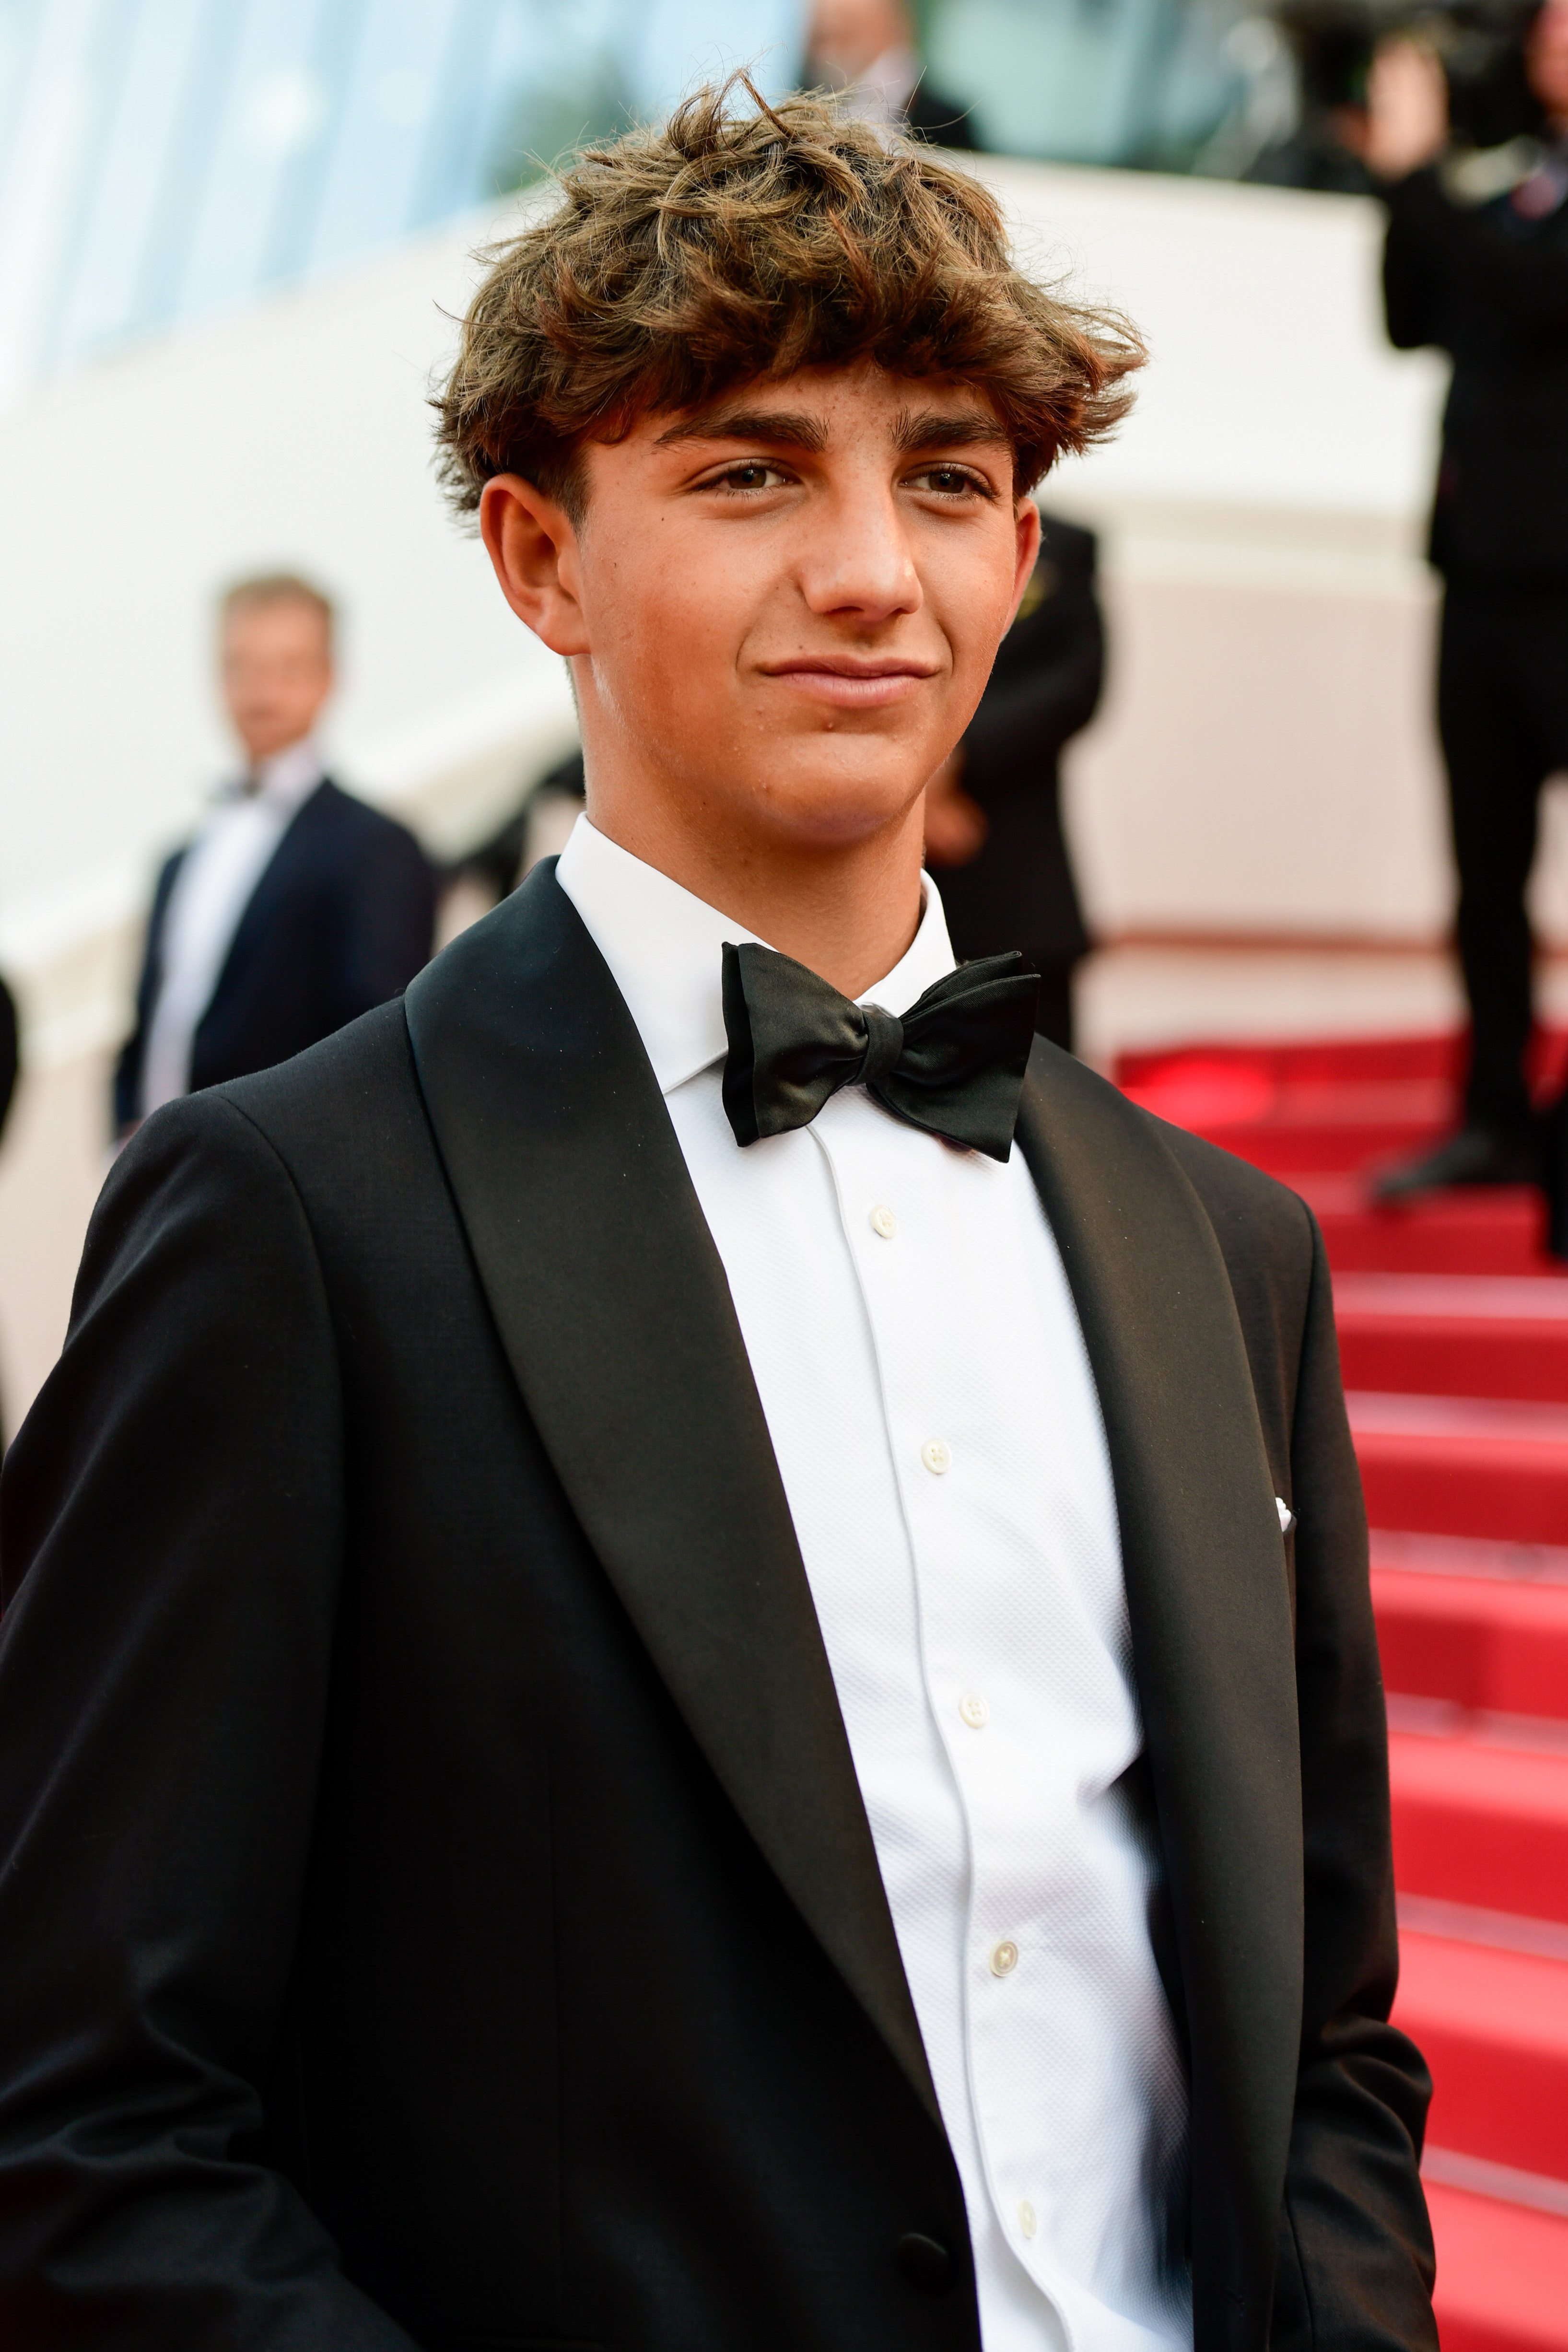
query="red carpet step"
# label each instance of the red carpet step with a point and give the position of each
(1301, 1061)
(1482, 1642)
(1282, 1118)
(1455, 1334)
(1497, 1229)
(1502, 2273)
(1479, 1820)
(1330, 1061)
(1494, 2027)
(1463, 1465)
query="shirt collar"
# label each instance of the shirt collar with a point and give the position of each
(663, 946)
(286, 779)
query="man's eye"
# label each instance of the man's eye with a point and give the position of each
(754, 474)
(947, 481)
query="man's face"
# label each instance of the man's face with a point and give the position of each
(790, 604)
(846, 37)
(277, 669)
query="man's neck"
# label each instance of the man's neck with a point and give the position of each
(287, 768)
(847, 912)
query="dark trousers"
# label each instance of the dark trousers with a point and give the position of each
(1502, 713)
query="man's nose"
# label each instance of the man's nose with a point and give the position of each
(859, 561)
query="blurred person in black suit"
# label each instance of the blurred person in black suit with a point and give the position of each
(1477, 262)
(866, 48)
(993, 828)
(296, 909)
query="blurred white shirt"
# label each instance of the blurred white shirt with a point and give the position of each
(930, 1404)
(216, 882)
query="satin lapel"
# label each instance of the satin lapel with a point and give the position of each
(1212, 1644)
(613, 1307)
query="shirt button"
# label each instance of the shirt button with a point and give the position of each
(973, 1710)
(1004, 1958)
(883, 1222)
(937, 1454)
(1026, 2221)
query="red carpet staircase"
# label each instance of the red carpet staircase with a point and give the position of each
(1454, 1330)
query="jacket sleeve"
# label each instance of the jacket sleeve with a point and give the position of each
(170, 1518)
(389, 921)
(1355, 2264)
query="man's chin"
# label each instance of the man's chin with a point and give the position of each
(836, 813)
(836, 792)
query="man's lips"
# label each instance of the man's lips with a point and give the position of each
(856, 685)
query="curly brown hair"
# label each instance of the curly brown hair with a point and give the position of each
(731, 246)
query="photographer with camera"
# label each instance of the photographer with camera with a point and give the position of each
(1477, 262)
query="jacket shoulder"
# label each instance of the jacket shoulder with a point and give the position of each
(334, 1097)
(1252, 1214)
(351, 822)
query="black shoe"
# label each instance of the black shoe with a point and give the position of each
(1476, 1155)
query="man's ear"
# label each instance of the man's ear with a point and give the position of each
(532, 544)
(1026, 522)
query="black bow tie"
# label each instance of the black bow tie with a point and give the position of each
(953, 1064)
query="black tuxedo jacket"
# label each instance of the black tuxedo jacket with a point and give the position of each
(341, 919)
(437, 1899)
(1019, 892)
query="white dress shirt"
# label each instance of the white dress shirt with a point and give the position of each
(930, 1404)
(215, 883)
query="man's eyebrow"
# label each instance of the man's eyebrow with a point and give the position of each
(944, 428)
(787, 428)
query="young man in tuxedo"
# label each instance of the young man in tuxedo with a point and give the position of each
(689, 1661)
(295, 908)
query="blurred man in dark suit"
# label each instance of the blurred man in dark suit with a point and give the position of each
(993, 829)
(1477, 262)
(296, 909)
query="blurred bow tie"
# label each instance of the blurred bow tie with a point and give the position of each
(954, 1064)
